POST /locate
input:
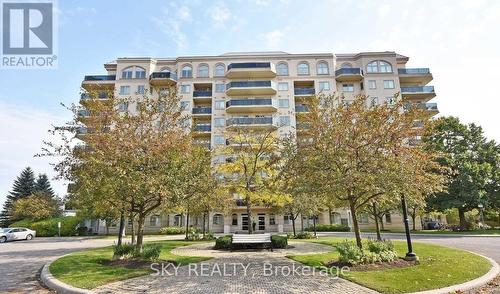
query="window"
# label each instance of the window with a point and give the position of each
(203, 71)
(220, 69)
(324, 86)
(389, 84)
(388, 218)
(303, 68)
(284, 120)
(138, 106)
(220, 88)
(272, 220)
(141, 89)
(123, 106)
(124, 90)
(282, 69)
(379, 66)
(346, 65)
(127, 73)
(187, 72)
(363, 218)
(348, 87)
(219, 140)
(153, 220)
(322, 68)
(219, 122)
(390, 100)
(185, 88)
(287, 219)
(184, 105)
(218, 219)
(374, 101)
(220, 105)
(130, 221)
(284, 103)
(234, 219)
(140, 73)
(283, 86)
(372, 84)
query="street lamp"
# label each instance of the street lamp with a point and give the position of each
(410, 256)
(481, 217)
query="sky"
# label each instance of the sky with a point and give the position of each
(458, 40)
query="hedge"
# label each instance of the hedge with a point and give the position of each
(279, 241)
(329, 228)
(172, 230)
(224, 242)
(48, 227)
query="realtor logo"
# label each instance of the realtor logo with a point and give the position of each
(28, 34)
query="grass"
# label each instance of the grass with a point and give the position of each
(87, 269)
(437, 232)
(439, 267)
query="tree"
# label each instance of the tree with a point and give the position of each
(359, 154)
(473, 162)
(37, 206)
(23, 186)
(42, 184)
(378, 209)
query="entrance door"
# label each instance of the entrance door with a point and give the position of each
(244, 222)
(262, 222)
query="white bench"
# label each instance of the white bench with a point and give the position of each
(252, 239)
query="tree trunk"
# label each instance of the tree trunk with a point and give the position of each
(357, 232)
(187, 225)
(121, 230)
(314, 225)
(381, 222)
(330, 215)
(203, 230)
(293, 224)
(249, 216)
(413, 215)
(132, 230)
(375, 217)
(461, 216)
(140, 232)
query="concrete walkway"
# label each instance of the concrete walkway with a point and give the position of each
(259, 271)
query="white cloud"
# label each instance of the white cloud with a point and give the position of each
(220, 14)
(184, 13)
(171, 22)
(273, 39)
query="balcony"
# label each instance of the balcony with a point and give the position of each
(354, 74)
(304, 91)
(301, 108)
(163, 79)
(431, 108)
(251, 105)
(418, 92)
(202, 130)
(251, 88)
(419, 76)
(202, 111)
(303, 127)
(251, 70)
(99, 81)
(252, 122)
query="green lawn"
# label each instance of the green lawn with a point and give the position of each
(87, 270)
(439, 267)
(476, 232)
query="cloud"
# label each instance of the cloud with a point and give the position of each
(274, 38)
(171, 21)
(219, 14)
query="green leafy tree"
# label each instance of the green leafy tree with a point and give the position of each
(23, 186)
(473, 162)
(37, 206)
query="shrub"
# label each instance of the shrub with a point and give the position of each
(209, 236)
(304, 235)
(172, 230)
(128, 250)
(349, 253)
(48, 227)
(194, 234)
(223, 242)
(380, 246)
(279, 241)
(329, 228)
(125, 250)
(150, 252)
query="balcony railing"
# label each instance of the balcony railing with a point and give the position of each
(418, 89)
(203, 128)
(428, 106)
(249, 65)
(301, 108)
(100, 78)
(101, 95)
(304, 91)
(202, 93)
(202, 110)
(83, 113)
(249, 102)
(349, 71)
(163, 75)
(413, 71)
(237, 121)
(249, 84)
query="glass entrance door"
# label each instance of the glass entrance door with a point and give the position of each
(244, 222)
(262, 222)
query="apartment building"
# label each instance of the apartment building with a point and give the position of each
(263, 90)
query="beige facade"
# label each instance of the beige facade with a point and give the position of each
(262, 89)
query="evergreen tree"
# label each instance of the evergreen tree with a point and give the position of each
(23, 187)
(42, 185)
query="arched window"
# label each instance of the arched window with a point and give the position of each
(187, 71)
(140, 73)
(177, 220)
(303, 68)
(346, 65)
(165, 69)
(127, 72)
(335, 218)
(203, 71)
(218, 219)
(322, 68)
(282, 69)
(379, 66)
(234, 219)
(220, 70)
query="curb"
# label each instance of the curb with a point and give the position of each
(58, 286)
(490, 275)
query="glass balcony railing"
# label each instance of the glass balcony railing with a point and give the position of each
(418, 89)
(413, 71)
(163, 75)
(428, 106)
(202, 110)
(100, 78)
(249, 65)
(249, 102)
(301, 108)
(304, 91)
(83, 113)
(236, 121)
(349, 71)
(100, 95)
(202, 93)
(202, 128)
(249, 84)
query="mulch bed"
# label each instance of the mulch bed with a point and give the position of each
(398, 263)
